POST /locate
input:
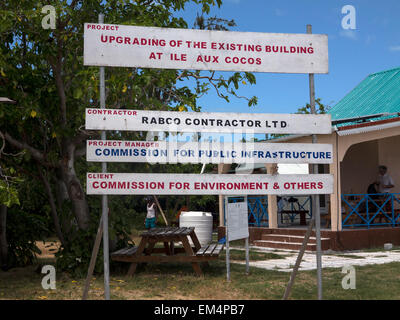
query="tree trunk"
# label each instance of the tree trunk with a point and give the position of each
(3, 237)
(61, 197)
(75, 191)
(187, 201)
(53, 207)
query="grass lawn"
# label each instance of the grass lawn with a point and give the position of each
(177, 281)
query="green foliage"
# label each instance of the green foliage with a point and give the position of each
(213, 23)
(320, 108)
(43, 71)
(27, 221)
(23, 229)
(9, 181)
(8, 194)
(74, 256)
(29, 61)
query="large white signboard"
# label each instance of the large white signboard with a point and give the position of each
(206, 152)
(166, 48)
(173, 121)
(238, 226)
(228, 184)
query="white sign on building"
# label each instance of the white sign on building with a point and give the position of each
(238, 226)
(169, 48)
(173, 121)
(228, 184)
(206, 152)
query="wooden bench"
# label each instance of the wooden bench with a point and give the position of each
(146, 251)
(129, 251)
(211, 250)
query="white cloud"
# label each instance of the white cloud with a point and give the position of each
(350, 34)
(394, 48)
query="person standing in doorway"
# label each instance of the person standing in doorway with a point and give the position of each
(384, 182)
(151, 216)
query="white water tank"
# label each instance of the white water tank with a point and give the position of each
(202, 223)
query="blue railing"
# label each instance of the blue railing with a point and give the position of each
(257, 209)
(369, 210)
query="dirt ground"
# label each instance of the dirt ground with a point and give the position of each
(48, 249)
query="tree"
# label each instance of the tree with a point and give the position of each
(320, 109)
(8, 197)
(42, 69)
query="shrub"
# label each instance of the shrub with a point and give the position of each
(23, 229)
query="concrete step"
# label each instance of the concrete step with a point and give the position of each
(295, 232)
(291, 231)
(284, 245)
(289, 238)
(290, 245)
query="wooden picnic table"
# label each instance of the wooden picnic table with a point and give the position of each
(147, 252)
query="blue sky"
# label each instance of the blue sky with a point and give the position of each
(353, 54)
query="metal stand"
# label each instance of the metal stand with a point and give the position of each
(247, 246)
(228, 266)
(247, 256)
(316, 217)
(315, 198)
(104, 200)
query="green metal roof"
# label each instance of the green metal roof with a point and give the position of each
(378, 93)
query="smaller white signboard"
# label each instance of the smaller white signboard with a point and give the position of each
(238, 226)
(173, 121)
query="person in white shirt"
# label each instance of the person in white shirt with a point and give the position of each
(384, 182)
(151, 216)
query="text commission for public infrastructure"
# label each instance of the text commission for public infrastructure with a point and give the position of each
(249, 154)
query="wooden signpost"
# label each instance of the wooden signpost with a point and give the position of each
(131, 46)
